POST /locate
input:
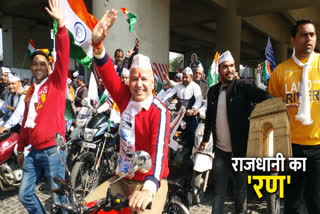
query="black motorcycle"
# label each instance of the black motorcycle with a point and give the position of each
(141, 161)
(75, 137)
(98, 157)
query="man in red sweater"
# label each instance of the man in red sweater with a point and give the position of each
(145, 125)
(43, 117)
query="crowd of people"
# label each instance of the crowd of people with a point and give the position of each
(37, 112)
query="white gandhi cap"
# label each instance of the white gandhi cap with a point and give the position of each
(13, 78)
(125, 71)
(226, 56)
(141, 61)
(187, 70)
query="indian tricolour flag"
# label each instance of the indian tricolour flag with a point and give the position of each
(31, 48)
(266, 71)
(115, 113)
(93, 89)
(213, 71)
(79, 24)
(131, 18)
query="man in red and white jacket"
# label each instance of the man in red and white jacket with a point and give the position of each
(43, 118)
(145, 125)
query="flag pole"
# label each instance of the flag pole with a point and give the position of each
(54, 53)
(24, 60)
(135, 33)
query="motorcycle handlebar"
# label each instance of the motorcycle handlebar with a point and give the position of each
(126, 204)
(62, 185)
(117, 202)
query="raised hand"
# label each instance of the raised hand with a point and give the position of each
(55, 12)
(166, 77)
(137, 43)
(129, 53)
(100, 31)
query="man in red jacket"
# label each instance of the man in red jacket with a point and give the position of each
(43, 117)
(145, 125)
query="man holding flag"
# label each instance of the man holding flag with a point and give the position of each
(43, 118)
(297, 81)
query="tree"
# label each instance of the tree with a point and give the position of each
(176, 63)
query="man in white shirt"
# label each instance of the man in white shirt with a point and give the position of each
(13, 106)
(165, 89)
(189, 95)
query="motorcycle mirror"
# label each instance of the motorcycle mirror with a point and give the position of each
(142, 159)
(60, 141)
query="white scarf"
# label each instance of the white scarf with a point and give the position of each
(304, 114)
(32, 114)
(127, 134)
(77, 90)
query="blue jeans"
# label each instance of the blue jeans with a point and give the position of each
(44, 161)
(223, 170)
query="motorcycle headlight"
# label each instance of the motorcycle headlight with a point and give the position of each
(81, 122)
(172, 107)
(183, 125)
(84, 102)
(89, 134)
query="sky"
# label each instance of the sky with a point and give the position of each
(173, 55)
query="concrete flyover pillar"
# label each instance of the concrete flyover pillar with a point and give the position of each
(281, 52)
(153, 27)
(229, 30)
(17, 33)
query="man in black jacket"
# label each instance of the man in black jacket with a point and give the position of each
(81, 91)
(227, 119)
(121, 63)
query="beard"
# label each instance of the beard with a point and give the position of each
(227, 80)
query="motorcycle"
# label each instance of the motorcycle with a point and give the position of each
(178, 192)
(112, 203)
(177, 200)
(76, 135)
(202, 161)
(178, 126)
(98, 155)
(10, 171)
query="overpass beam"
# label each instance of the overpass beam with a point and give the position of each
(229, 30)
(281, 52)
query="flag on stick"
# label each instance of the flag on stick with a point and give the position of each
(79, 24)
(213, 71)
(266, 71)
(269, 55)
(115, 113)
(31, 48)
(93, 89)
(131, 18)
